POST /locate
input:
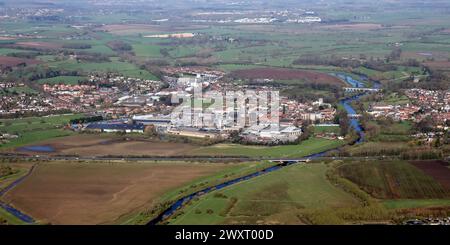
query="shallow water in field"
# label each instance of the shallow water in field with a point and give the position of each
(37, 148)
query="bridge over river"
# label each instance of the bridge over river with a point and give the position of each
(346, 103)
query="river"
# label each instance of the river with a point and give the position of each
(346, 103)
(355, 124)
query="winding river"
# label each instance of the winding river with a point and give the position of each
(10, 209)
(346, 103)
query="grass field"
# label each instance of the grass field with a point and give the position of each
(72, 80)
(310, 146)
(19, 90)
(124, 68)
(394, 132)
(393, 180)
(22, 169)
(270, 199)
(35, 129)
(98, 193)
(9, 218)
(415, 203)
(326, 129)
(231, 172)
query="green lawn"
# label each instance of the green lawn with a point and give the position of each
(272, 198)
(310, 146)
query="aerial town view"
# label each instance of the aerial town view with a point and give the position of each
(195, 112)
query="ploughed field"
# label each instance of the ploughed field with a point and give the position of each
(400, 179)
(14, 61)
(437, 169)
(109, 145)
(99, 193)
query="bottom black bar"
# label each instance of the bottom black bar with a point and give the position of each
(223, 234)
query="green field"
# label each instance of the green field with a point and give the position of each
(72, 80)
(415, 203)
(9, 218)
(115, 66)
(232, 172)
(326, 129)
(390, 132)
(34, 129)
(307, 147)
(272, 198)
(393, 180)
(4, 182)
(19, 90)
(147, 50)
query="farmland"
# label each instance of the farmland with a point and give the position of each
(62, 80)
(31, 130)
(400, 44)
(271, 199)
(94, 193)
(286, 74)
(13, 61)
(112, 145)
(437, 169)
(394, 180)
(308, 147)
(305, 194)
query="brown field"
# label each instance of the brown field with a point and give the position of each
(6, 38)
(353, 27)
(38, 45)
(287, 74)
(99, 193)
(14, 61)
(436, 169)
(439, 65)
(108, 145)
